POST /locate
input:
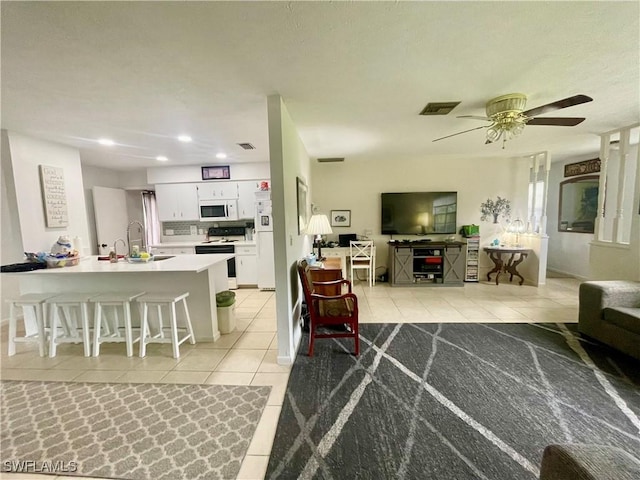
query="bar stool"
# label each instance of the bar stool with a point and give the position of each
(110, 331)
(61, 317)
(168, 300)
(33, 333)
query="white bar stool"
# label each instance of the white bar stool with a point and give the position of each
(110, 331)
(33, 333)
(168, 300)
(61, 316)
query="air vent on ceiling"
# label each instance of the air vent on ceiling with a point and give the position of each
(247, 146)
(439, 108)
(331, 160)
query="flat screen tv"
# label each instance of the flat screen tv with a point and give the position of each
(419, 213)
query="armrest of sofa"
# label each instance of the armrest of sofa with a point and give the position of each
(588, 462)
(595, 296)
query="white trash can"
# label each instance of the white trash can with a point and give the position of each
(226, 308)
(227, 319)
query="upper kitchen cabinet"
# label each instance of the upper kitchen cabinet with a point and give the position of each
(218, 190)
(177, 201)
(247, 198)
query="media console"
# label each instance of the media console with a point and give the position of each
(427, 263)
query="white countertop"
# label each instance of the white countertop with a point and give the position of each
(240, 243)
(179, 263)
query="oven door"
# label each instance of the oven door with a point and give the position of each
(231, 263)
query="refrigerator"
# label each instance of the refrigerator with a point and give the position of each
(264, 241)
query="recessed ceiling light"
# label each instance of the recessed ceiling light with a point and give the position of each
(221, 155)
(161, 158)
(184, 138)
(106, 141)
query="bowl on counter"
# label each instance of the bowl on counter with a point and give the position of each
(57, 262)
(148, 259)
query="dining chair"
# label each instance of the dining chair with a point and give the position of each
(329, 313)
(362, 254)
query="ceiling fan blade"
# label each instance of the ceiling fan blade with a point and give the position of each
(475, 117)
(557, 121)
(459, 133)
(564, 103)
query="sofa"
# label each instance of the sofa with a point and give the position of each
(588, 462)
(609, 312)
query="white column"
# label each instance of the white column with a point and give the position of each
(543, 218)
(604, 161)
(534, 179)
(618, 221)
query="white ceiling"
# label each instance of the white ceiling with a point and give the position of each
(354, 76)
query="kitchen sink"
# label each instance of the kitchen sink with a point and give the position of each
(157, 258)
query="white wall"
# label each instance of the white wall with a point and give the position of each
(288, 160)
(568, 251)
(23, 219)
(576, 254)
(132, 182)
(357, 185)
(186, 174)
(26, 155)
(96, 177)
(11, 251)
(620, 261)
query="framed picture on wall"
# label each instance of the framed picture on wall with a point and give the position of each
(340, 218)
(303, 215)
(216, 172)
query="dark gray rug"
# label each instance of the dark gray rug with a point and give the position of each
(128, 431)
(452, 402)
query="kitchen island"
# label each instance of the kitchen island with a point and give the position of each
(201, 275)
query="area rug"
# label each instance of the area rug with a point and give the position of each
(128, 431)
(452, 402)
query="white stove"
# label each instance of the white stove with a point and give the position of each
(221, 240)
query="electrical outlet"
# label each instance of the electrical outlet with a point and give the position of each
(168, 231)
(193, 229)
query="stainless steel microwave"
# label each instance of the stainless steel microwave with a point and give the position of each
(218, 210)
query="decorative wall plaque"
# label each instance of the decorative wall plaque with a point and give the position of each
(582, 168)
(54, 196)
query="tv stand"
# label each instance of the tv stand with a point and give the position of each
(427, 263)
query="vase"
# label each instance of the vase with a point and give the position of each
(495, 218)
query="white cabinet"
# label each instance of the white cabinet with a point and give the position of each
(247, 198)
(221, 190)
(246, 265)
(177, 202)
(173, 250)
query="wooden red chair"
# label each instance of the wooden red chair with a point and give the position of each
(329, 311)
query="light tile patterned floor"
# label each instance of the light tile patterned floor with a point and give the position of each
(248, 355)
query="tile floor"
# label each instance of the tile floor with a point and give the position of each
(248, 355)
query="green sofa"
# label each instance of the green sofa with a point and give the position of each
(609, 312)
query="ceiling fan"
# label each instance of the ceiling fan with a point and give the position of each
(508, 116)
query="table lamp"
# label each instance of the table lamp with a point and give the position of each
(318, 226)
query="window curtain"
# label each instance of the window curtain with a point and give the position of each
(151, 222)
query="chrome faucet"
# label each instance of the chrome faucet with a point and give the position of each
(115, 246)
(143, 240)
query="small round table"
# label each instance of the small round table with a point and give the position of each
(516, 257)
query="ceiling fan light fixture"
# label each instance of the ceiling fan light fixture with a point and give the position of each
(512, 102)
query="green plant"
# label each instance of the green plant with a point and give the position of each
(491, 208)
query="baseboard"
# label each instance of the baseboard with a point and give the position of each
(567, 274)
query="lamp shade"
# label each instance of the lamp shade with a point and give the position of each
(318, 225)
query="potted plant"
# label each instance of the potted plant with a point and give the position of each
(491, 208)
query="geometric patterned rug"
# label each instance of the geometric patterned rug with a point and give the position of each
(451, 402)
(128, 431)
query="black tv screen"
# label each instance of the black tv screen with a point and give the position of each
(419, 213)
